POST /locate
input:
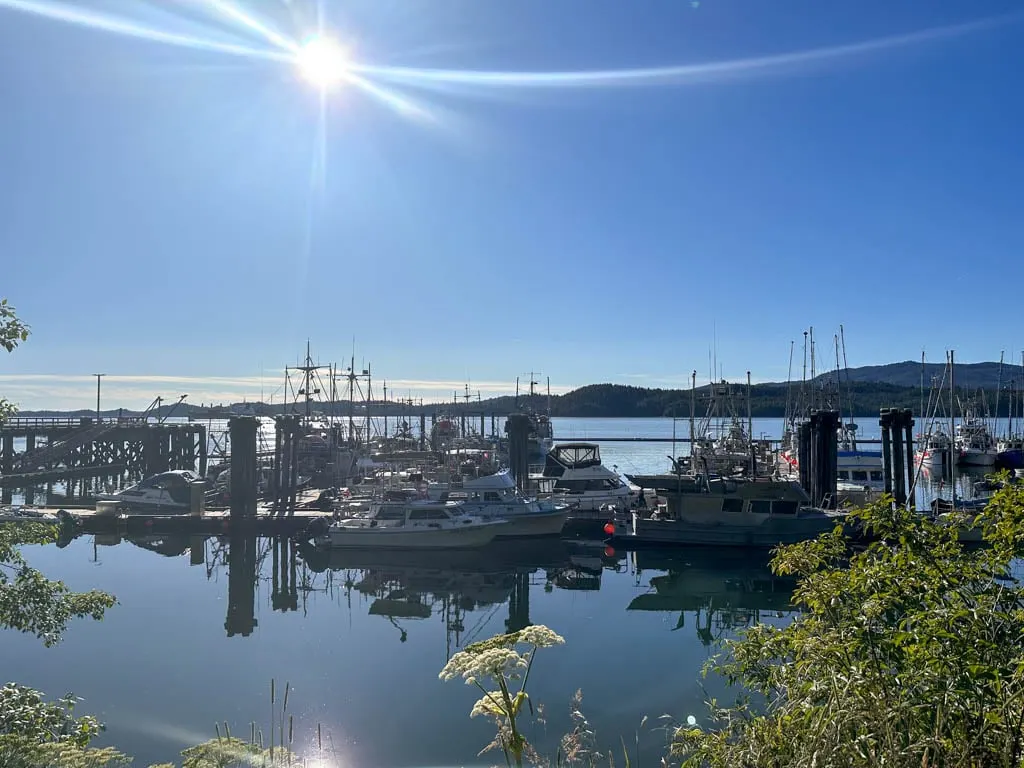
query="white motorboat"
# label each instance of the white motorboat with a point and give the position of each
(974, 444)
(580, 479)
(175, 492)
(496, 496)
(413, 525)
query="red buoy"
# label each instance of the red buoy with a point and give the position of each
(609, 552)
(609, 528)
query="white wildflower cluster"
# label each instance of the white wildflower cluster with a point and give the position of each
(540, 636)
(489, 705)
(491, 662)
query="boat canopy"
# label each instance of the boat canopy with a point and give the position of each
(571, 456)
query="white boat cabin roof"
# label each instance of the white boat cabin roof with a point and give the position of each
(497, 482)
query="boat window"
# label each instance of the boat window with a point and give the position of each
(843, 474)
(390, 513)
(876, 475)
(491, 496)
(760, 506)
(428, 514)
(572, 486)
(859, 474)
(784, 507)
(732, 505)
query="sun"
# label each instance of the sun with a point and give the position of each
(323, 62)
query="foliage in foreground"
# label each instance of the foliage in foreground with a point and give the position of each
(501, 670)
(12, 332)
(908, 653)
(32, 603)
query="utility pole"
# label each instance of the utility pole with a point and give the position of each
(98, 376)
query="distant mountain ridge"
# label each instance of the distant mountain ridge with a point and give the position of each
(894, 385)
(908, 374)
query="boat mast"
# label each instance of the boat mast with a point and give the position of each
(750, 429)
(952, 427)
(803, 381)
(789, 390)
(922, 385)
(693, 411)
(814, 400)
(999, 388)
(849, 384)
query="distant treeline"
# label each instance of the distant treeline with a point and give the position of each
(617, 400)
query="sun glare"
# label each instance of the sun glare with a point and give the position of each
(323, 62)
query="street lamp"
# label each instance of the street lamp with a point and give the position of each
(98, 377)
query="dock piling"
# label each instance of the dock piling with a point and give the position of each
(243, 431)
(518, 428)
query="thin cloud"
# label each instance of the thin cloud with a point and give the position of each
(52, 391)
(757, 66)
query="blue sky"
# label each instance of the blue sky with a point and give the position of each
(171, 218)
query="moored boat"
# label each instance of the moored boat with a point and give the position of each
(728, 512)
(412, 525)
(176, 492)
(974, 444)
(1010, 452)
(496, 497)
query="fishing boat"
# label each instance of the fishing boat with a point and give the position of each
(727, 512)
(174, 492)
(974, 444)
(496, 497)
(412, 525)
(933, 454)
(1010, 452)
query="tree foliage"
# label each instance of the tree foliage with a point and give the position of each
(30, 602)
(12, 332)
(907, 653)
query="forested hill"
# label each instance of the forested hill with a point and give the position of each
(896, 385)
(766, 400)
(908, 374)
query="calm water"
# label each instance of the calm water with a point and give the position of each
(194, 641)
(361, 640)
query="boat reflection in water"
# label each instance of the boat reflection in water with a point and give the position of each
(417, 584)
(727, 590)
(724, 589)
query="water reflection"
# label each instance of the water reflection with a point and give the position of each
(725, 590)
(722, 590)
(410, 586)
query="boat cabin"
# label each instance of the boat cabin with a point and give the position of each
(571, 456)
(860, 475)
(392, 515)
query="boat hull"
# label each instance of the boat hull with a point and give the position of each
(974, 458)
(770, 533)
(547, 523)
(1012, 459)
(933, 459)
(419, 538)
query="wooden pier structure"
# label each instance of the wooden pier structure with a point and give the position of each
(59, 449)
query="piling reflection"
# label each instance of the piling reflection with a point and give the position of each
(714, 590)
